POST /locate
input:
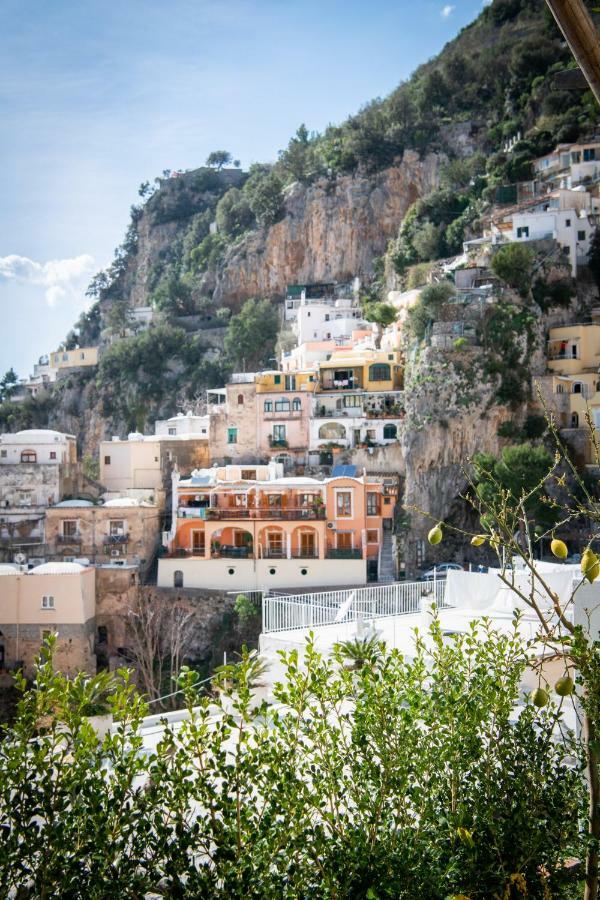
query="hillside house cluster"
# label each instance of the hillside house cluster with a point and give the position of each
(559, 204)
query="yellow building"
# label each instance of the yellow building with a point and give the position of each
(277, 382)
(573, 356)
(70, 359)
(364, 369)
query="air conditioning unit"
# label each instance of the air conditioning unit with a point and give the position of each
(35, 561)
(115, 552)
(330, 525)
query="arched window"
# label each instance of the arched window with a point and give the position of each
(578, 387)
(28, 456)
(330, 431)
(574, 420)
(296, 404)
(560, 389)
(282, 405)
(390, 432)
(379, 372)
(240, 399)
(178, 578)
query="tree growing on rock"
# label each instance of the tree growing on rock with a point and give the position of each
(218, 158)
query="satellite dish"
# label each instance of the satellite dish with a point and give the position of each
(20, 558)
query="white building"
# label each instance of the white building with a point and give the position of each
(38, 446)
(352, 420)
(326, 320)
(570, 228)
(188, 425)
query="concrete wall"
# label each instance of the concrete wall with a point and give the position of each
(262, 574)
(130, 464)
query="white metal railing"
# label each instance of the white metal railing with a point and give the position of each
(282, 613)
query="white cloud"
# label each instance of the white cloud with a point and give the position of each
(447, 11)
(60, 278)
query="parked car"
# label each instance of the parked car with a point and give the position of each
(440, 571)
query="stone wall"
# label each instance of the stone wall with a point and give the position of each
(74, 650)
(142, 527)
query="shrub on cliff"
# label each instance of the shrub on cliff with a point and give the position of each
(513, 264)
(251, 335)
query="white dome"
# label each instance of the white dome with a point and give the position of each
(71, 504)
(58, 568)
(39, 434)
(7, 569)
(122, 501)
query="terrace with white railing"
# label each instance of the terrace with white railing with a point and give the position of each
(305, 611)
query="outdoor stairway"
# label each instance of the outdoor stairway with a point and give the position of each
(387, 570)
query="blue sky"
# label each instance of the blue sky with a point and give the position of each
(96, 97)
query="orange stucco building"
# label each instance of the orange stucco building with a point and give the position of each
(250, 527)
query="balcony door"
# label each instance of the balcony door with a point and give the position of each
(198, 542)
(308, 544)
(344, 540)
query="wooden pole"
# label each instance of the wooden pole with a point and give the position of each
(581, 35)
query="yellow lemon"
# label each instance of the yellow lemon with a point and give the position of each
(478, 539)
(590, 565)
(435, 535)
(564, 686)
(540, 697)
(559, 549)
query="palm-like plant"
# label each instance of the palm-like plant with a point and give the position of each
(359, 651)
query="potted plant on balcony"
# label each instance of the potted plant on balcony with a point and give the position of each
(318, 506)
(215, 548)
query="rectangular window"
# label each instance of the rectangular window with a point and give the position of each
(343, 504)
(82, 356)
(274, 501)
(3, 454)
(116, 527)
(420, 552)
(372, 536)
(567, 223)
(344, 540)
(581, 235)
(107, 460)
(277, 379)
(589, 155)
(290, 382)
(232, 435)
(275, 543)
(282, 406)
(279, 432)
(372, 503)
(268, 406)
(52, 454)
(172, 431)
(69, 527)
(523, 231)
(48, 602)
(327, 317)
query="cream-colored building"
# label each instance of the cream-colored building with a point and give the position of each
(130, 464)
(122, 530)
(51, 598)
(73, 359)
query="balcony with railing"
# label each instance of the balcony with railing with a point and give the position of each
(343, 553)
(68, 539)
(116, 539)
(341, 380)
(285, 514)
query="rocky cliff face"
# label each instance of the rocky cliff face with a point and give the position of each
(331, 230)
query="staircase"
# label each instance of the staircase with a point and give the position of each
(387, 569)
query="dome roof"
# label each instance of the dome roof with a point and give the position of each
(7, 569)
(58, 568)
(122, 501)
(39, 434)
(71, 504)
